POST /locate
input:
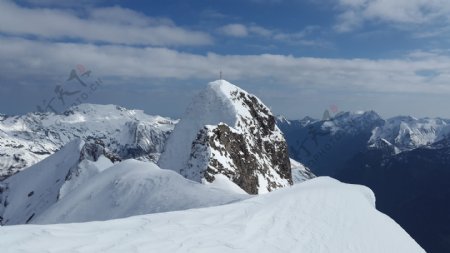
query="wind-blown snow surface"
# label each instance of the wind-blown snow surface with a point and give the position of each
(29, 193)
(133, 188)
(320, 215)
(72, 186)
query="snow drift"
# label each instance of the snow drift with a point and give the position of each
(133, 188)
(29, 193)
(320, 215)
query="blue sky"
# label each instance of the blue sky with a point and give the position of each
(299, 56)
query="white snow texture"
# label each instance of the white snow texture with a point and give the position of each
(320, 215)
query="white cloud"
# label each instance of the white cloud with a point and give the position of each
(110, 25)
(296, 38)
(213, 14)
(121, 16)
(261, 31)
(234, 30)
(21, 58)
(398, 12)
(62, 3)
(242, 30)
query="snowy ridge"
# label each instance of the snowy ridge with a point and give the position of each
(407, 133)
(398, 133)
(300, 172)
(79, 183)
(320, 215)
(352, 122)
(282, 120)
(133, 188)
(325, 145)
(228, 131)
(29, 193)
(26, 140)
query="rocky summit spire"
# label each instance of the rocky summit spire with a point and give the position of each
(227, 131)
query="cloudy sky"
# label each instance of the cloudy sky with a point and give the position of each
(300, 56)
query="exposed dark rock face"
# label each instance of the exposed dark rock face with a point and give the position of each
(244, 144)
(244, 164)
(93, 149)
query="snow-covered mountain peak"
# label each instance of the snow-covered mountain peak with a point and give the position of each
(406, 132)
(282, 119)
(352, 121)
(236, 97)
(27, 139)
(95, 113)
(226, 130)
(358, 115)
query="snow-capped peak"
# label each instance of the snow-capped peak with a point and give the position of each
(27, 139)
(353, 121)
(232, 95)
(283, 120)
(406, 132)
(225, 130)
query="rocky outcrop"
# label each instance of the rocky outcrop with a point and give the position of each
(95, 148)
(230, 132)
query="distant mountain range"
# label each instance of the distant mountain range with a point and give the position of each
(28, 139)
(404, 160)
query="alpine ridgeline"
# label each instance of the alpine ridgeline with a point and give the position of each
(28, 139)
(228, 131)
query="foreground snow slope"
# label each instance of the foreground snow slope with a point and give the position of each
(132, 188)
(29, 193)
(320, 215)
